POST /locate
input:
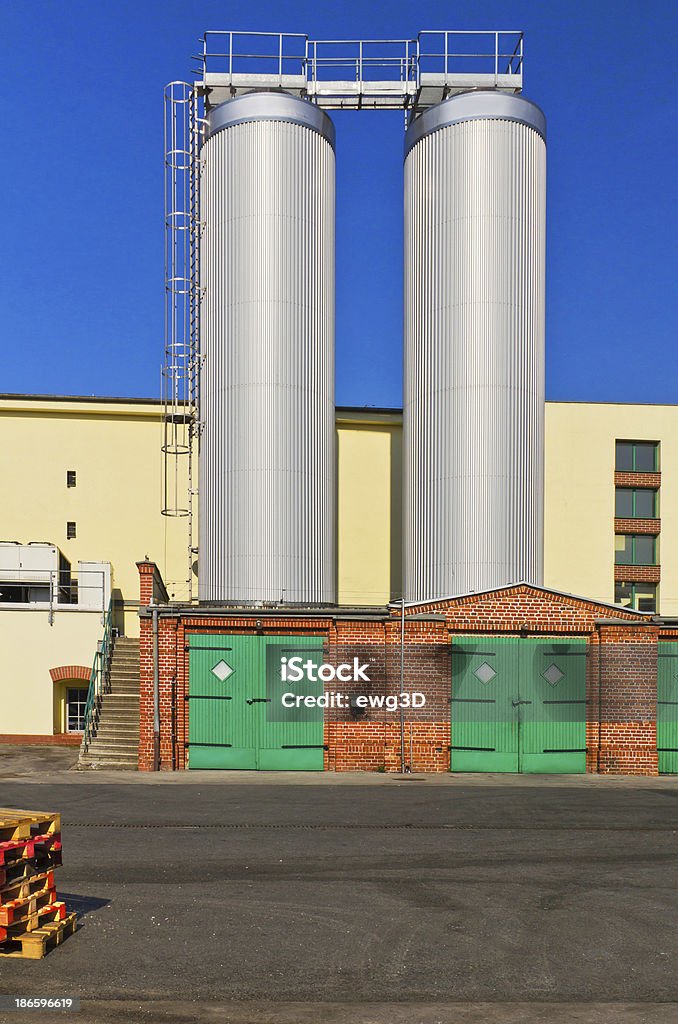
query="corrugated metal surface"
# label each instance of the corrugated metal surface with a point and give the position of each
(667, 707)
(267, 460)
(474, 358)
(518, 705)
(223, 729)
(235, 714)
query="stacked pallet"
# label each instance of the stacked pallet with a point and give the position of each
(32, 920)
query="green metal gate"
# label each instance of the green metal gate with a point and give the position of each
(518, 705)
(235, 719)
(667, 706)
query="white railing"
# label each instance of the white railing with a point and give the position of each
(54, 589)
(484, 57)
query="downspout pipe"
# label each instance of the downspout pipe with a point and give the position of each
(402, 687)
(600, 693)
(156, 694)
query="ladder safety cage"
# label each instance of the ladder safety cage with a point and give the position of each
(181, 366)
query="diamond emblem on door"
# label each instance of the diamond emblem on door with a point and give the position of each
(553, 675)
(222, 670)
(485, 673)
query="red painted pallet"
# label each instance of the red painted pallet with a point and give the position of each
(26, 849)
(55, 911)
(19, 871)
(25, 909)
(25, 887)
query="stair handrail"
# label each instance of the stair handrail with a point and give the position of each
(99, 680)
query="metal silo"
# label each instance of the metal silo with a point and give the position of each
(267, 465)
(475, 199)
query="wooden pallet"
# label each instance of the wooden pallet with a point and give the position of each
(11, 829)
(17, 910)
(22, 888)
(49, 860)
(21, 870)
(38, 822)
(49, 914)
(36, 944)
(38, 846)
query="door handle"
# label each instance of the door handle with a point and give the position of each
(259, 700)
(517, 702)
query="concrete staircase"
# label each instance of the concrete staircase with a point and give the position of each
(115, 745)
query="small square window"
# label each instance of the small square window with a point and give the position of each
(70, 478)
(70, 530)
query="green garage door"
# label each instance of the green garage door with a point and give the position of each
(667, 706)
(518, 705)
(236, 719)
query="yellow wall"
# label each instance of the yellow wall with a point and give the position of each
(30, 647)
(369, 507)
(114, 446)
(115, 449)
(579, 494)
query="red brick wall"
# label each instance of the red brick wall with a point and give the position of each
(621, 677)
(637, 479)
(70, 672)
(626, 696)
(59, 739)
(375, 746)
(637, 573)
(522, 608)
(651, 526)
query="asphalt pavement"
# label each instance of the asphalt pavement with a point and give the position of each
(296, 899)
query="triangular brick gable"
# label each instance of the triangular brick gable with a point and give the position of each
(524, 606)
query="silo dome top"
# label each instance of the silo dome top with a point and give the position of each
(270, 106)
(480, 105)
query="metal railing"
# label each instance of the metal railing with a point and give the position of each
(405, 74)
(486, 54)
(99, 681)
(53, 589)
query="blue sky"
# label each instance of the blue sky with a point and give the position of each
(81, 281)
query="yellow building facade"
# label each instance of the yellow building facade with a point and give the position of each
(85, 474)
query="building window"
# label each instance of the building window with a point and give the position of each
(635, 503)
(637, 457)
(70, 530)
(635, 549)
(641, 596)
(70, 478)
(76, 702)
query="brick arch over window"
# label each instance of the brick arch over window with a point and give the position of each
(70, 672)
